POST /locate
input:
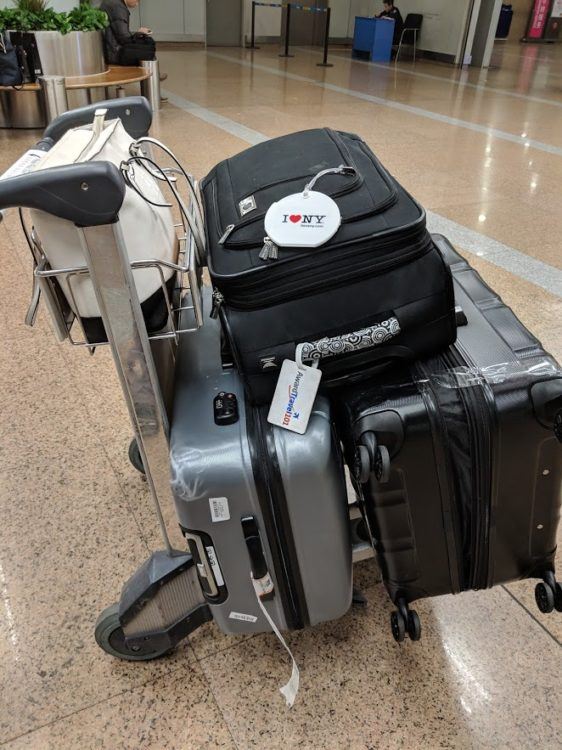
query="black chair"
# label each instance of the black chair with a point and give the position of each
(409, 35)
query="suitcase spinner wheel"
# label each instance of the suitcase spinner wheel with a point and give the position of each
(135, 457)
(405, 621)
(548, 594)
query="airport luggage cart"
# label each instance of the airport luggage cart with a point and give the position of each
(163, 601)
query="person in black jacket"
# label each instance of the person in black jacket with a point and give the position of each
(119, 43)
(391, 11)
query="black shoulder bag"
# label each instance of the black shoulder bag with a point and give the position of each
(10, 71)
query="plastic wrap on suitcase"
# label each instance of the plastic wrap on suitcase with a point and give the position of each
(459, 456)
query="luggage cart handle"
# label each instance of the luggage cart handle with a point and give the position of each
(134, 112)
(88, 194)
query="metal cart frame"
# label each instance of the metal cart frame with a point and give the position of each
(146, 623)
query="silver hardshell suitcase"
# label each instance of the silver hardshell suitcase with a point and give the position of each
(256, 500)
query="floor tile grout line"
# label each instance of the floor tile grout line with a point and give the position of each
(221, 650)
(531, 615)
(215, 699)
(95, 703)
(451, 81)
(105, 452)
(503, 256)
(393, 104)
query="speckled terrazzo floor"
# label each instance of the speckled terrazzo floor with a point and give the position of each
(77, 519)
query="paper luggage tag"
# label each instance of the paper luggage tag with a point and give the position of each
(306, 219)
(24, 164)
(294, 396)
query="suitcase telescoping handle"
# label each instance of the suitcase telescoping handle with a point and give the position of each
(365, 338)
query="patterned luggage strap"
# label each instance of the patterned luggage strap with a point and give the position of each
(365, 338)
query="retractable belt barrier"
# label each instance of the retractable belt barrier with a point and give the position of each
(289, 7)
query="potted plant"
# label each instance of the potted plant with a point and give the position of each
(68, 44)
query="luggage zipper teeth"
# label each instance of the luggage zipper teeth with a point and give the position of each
(269, 299)
(481, 441)
(230, 228)
(453, 500)
(287, 563)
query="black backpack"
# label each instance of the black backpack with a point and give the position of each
(10, 71)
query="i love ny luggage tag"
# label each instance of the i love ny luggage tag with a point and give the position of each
(307, 219)
(294, 395)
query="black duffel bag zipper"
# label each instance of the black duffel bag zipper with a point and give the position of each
(225, 233)
(255, 294)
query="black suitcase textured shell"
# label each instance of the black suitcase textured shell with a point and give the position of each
(474, 492)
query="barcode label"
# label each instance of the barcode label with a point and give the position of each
(219, 509)
(212, 556)
(243, 617)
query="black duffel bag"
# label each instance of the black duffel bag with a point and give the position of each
(141, 47)
(10, 71)
(376, 294)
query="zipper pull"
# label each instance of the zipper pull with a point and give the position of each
(269, 251)
(227, 232)
(218, 301)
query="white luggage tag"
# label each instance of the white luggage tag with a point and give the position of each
(307, 219)
(294, 395)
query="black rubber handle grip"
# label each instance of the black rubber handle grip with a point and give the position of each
(134, 112)
(88, 194)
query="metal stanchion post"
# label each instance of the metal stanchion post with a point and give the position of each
(151, 86)
(325, 63)
(287, 32)
(54, 94)
(253, 44)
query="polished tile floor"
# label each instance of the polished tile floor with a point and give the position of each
(483, 152)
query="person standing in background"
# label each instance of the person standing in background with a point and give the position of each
(391, 11)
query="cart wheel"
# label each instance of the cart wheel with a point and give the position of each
(544, 597)
(135, 456)
(398, 627)
(558, 597)
(414, 625)
(110, 637)
(382, 464)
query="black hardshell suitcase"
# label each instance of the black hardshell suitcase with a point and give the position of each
(381, 264)
(459, 459)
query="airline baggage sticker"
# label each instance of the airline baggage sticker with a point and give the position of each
(219, 509)
(294, 396)
(306, 219)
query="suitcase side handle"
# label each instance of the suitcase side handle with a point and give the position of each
(364, 338)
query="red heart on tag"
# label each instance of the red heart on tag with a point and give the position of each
(295, 218)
